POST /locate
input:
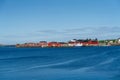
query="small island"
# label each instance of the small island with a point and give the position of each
(73, 43)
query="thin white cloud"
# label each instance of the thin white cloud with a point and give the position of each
(85, 32)
(66, 34)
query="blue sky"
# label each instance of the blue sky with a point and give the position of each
(58, 20)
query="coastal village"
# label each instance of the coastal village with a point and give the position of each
(73, 43)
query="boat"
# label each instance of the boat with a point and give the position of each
(78, 45)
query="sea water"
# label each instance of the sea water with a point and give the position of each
(75, 63)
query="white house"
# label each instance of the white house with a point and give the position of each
(119, 40)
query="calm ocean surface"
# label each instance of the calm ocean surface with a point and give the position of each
(80, 63)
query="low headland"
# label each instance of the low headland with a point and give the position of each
(73, 43)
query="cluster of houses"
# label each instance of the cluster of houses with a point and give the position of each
(110, 42)
(71, 43)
